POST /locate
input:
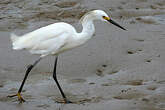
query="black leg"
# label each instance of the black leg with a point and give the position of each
(29, 68)
(58, 85)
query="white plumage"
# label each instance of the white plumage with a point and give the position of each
(46, 40)
(54, 39)
(58, 37)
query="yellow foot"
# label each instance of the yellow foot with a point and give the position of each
(21, 100)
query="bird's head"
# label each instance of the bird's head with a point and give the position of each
(100, 15)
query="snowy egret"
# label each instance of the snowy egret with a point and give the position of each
(55, 39)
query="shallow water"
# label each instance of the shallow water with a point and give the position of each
(115, 69)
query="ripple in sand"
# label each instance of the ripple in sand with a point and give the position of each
(152, 88)
(1, 85)
(135, 82)
(76, 99)
(43, 106)
(77, 81)
(99, 72)
(66, 4)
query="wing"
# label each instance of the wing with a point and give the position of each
(51, 45)
(47, 34)
(49, 31)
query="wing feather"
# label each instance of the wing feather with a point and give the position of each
(50, 46)
(45, 39)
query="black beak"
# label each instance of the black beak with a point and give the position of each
(116, 24)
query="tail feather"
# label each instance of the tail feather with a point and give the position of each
(13, 37)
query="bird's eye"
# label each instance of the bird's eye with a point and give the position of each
(106, 18)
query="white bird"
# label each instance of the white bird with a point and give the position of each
(56, 38)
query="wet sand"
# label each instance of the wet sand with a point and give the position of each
(116, 69)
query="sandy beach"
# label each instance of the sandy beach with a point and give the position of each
(115, 70)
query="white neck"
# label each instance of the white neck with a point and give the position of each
(88, 27)
(87, 31)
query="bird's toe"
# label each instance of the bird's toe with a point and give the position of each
(21, 100)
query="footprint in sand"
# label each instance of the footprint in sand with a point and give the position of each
(130, 94)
